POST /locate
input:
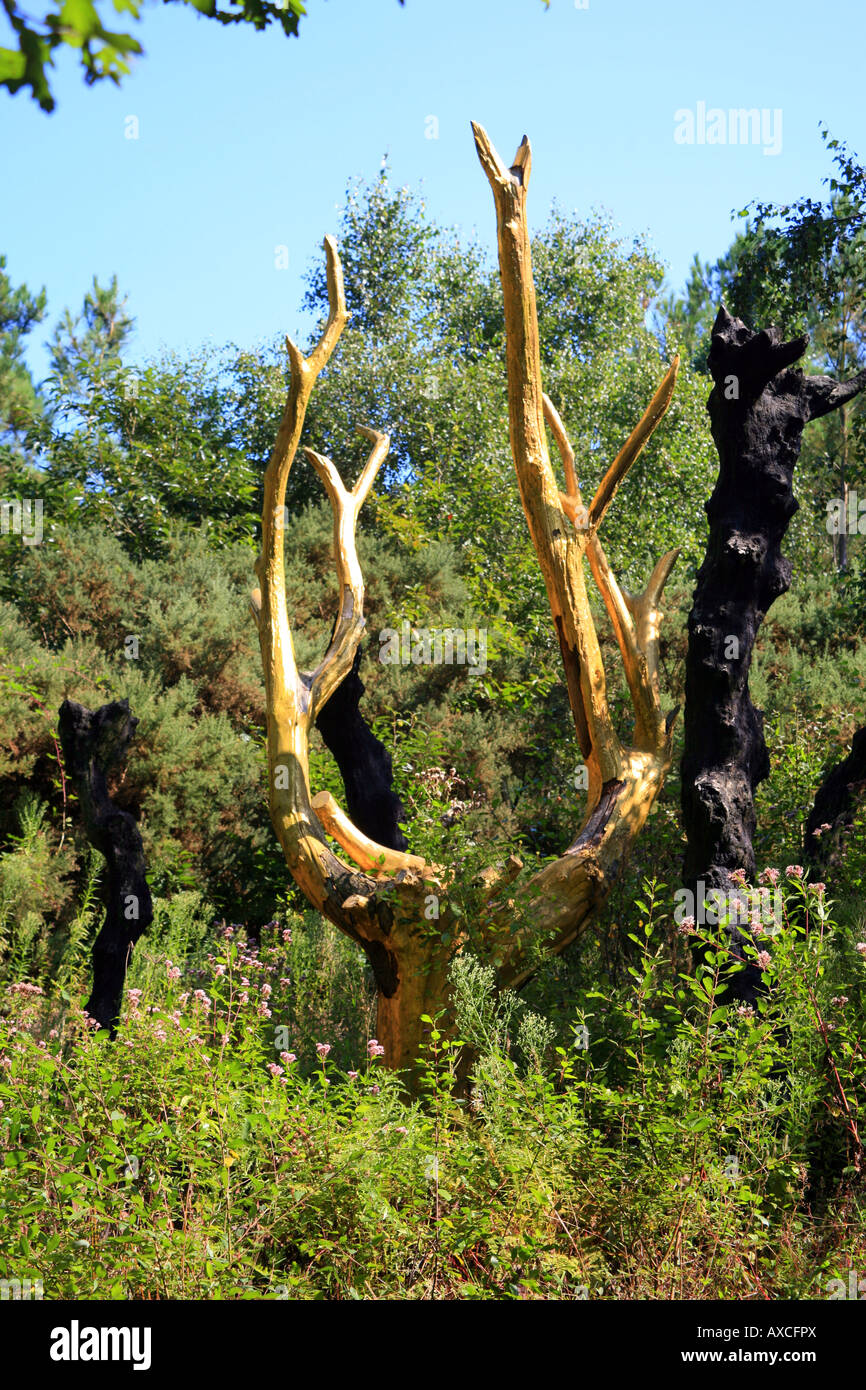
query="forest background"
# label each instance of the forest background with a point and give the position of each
(149, 473)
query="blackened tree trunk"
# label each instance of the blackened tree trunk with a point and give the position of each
(94, 741)
(835, 805)
(759, 407)
(364, 763)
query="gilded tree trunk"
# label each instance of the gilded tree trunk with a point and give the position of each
(393, 904)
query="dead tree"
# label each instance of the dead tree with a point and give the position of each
(93, 742)
(835, 805)
(759, 406)
(364, 763)
(382, 896)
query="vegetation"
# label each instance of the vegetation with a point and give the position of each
(682, 1148)
(104, 52)
(666, 1147)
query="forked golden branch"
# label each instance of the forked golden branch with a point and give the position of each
(379, 898)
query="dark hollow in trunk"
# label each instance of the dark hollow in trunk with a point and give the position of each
(94, 741)
(836, 802)
(364, 763)
(758, 408)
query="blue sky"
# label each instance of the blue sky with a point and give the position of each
(247, 141)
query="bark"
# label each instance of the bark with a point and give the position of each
(364, 763)
(93, 742)
(759, 406)
(836, 803)
(394, 905)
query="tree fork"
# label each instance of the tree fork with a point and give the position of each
(382, 901)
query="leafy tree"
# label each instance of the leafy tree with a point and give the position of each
(686, 320)
(104, 53)
(20, 312)
(802, 267)
(433, 376)
(87, 349)
(145, 450)
(804, 264)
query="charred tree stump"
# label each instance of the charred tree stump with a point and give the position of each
(835, 805)
(364, 763)
(94, 741)
(759, 406)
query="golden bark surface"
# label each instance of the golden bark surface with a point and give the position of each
(380, 897)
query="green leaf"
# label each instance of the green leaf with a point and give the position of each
(81, 18)
(12, 66)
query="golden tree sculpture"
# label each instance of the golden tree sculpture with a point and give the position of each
(377, 898)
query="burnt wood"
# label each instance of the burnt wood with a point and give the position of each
(835, 804)
(364, 762)
(94, 741)
(759, 406)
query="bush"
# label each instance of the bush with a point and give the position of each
(675, 1147)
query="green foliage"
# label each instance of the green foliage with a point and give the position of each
(590, 1153)
(801, 267)
(104, 53)
(668, 1147)
(802, 256)
(20, 311)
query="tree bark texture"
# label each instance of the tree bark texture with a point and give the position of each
(93, 742)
